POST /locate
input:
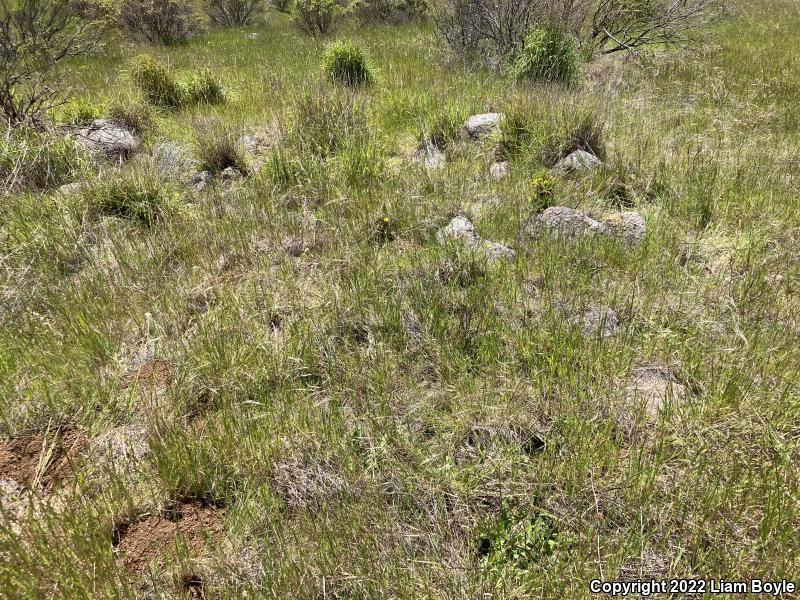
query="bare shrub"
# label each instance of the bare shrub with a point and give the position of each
(319, 17)
(497, 29)
(390, 11)
(235, 13)
(35, 37)
(282, 5)
(160, 21)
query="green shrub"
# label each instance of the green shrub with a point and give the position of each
(517, 131)
(77, 111)
(161, 87)
(318, 17)
(138, 195)
(571, 128)
(203, 88)
(324, 123)
(442, 128)
(137, 116)
(35, 159)
(345, 62)
(218, 148)
(548, 55)
(157, 82)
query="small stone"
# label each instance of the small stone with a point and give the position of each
(561, 222)
(600, 320)
(104, 138)
(578, 161)
(460, 229)
(630, 227)
(498, 171)
(201, 180)
(230, 174)
(69, 189)
(174, 159)
(480, 126)
(431, 157)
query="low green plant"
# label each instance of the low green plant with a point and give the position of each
(323, 123)
(517, 131)
(548, 54)
(543, 185)
(218, 148)
(136, 115)
(138, 195)
(157, 82)
(203, 88)
(345, 62)
(161, 86)
(443, 127)
(569, 128)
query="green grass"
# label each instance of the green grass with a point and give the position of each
(385, 416)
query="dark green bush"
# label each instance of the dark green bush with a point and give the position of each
(548, 55)
(345, 62)
(158, 83)
(161, 87)
(138, 195)
(203, 88)
(442, 128)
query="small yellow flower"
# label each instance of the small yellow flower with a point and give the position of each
(385, 219)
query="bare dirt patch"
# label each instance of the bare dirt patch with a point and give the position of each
(153, 376)
(39, 460)
(155, 537)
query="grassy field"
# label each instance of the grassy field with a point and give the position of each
(286, 387)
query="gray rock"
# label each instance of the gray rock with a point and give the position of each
(498, 171)
(460, 229)
(478, 127)
(69, 189)
(174, 159)
(600, 321)
(562, 222)
(431, 157)
(108, 139)
(249, 143)
(230, 174)
(463, 231)
(578, 161)
(201, 180)
(630, 227)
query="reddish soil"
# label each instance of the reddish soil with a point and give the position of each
(41, 461)
(154, 537)
(154, 375)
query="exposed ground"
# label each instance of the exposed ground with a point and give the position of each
(310, 381)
